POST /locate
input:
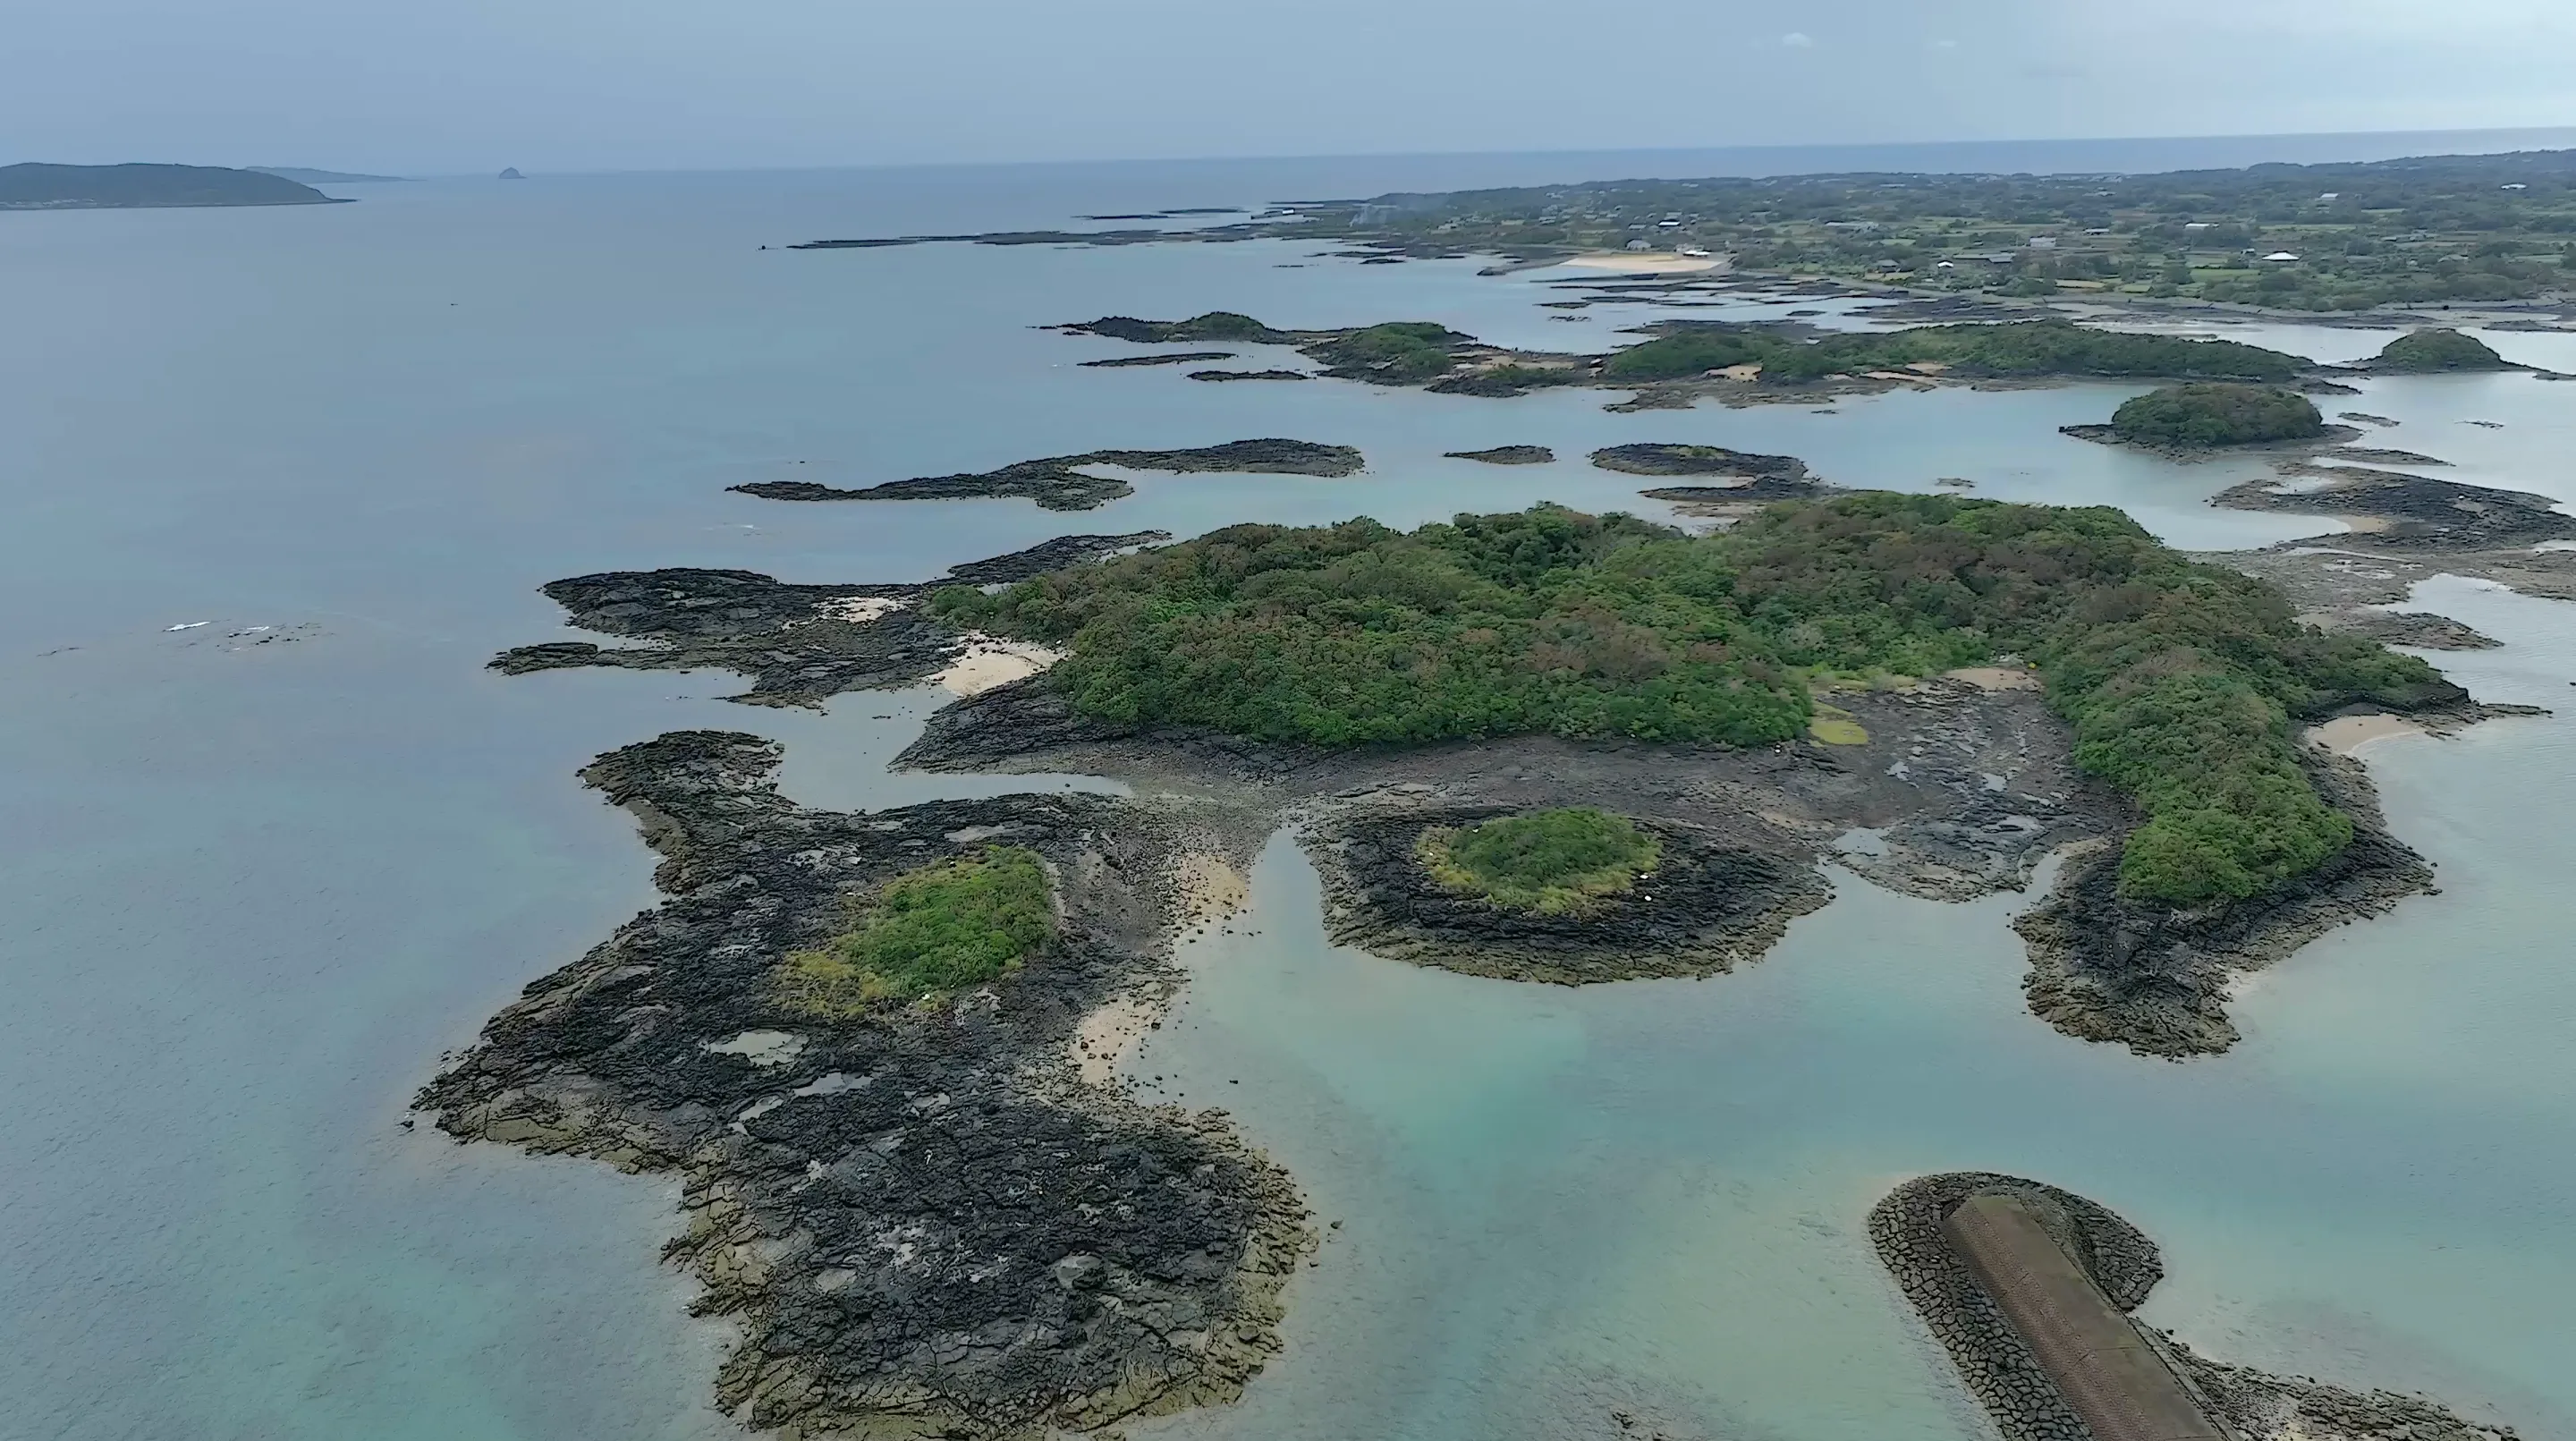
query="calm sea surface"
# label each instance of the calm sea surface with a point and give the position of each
(256, 881)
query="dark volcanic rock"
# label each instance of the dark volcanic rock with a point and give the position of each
(1225, 375)
(2414, 512)
(1060, 482)
(1174, 357)
(1997, 1366)
(1653, 459)
(1506, 455)
(796, 643)
(2154, 978)
(922, 1223)
(1709, 905)
(2332, 435)
(2416, 628)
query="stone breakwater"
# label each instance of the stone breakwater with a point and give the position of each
(1999, 1370)
(923, 1222)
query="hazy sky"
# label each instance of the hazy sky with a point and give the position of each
(429, 86)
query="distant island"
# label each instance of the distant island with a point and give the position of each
(304, 176)
(1736, 363)
(2340, 238)
(34, 186)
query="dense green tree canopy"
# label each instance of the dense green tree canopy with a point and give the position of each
(2425, 351)
(2029, 348)
(2181, 679)
(2200, 416)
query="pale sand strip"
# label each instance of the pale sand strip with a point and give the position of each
(1995, 677)
(1209, 890)
(1645, 262)
(2346, 735)
(986, 663)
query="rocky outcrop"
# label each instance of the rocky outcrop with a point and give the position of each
(921, 1222)
(1065, 482)
(798, 644)
(1709, 905)
(2154, 978)
(1505, 455)
(1786, 475)
(2395, 511)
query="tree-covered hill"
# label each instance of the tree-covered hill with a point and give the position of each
(2182, 680)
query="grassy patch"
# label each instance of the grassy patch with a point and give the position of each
(1552, 862)
(944, 927)
(1835, 726)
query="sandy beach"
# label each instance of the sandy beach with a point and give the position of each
(2346, 735)
(987, 662)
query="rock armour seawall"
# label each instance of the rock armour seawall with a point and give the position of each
(2121, 1266)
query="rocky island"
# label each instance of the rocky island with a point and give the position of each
(1735, 363)
(1065, 482)
(2188, 420)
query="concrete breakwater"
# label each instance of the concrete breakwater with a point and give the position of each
(2028, 1288)
(2104, 1368)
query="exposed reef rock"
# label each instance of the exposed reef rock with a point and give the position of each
(1784, 472)
(1061, 482)
(923, 1222)
(1175, 357)
(2016, 1392)
(796, 643)
(1708, 905)
(2333, 435)
(2154, 978)
(1506, 455)
(1226, 375)
(1962, 790)
(2400, 512)
(2418, 629)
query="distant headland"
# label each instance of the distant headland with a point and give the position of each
(34, 186)
(304, 175)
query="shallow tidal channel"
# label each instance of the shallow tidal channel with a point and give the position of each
(1649, 1198)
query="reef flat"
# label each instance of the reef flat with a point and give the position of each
(1065, 482)
(924, 1220)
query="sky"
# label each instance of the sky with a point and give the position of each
(463, 86)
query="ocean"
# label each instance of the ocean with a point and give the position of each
(280, 481)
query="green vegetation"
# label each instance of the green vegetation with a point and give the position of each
(1553, 862)
(32, 186)
(2181, 679)
(1399, 352)
(2423, 352)
(2435, 230)
(2020, 349)
(943, 927)
(2200, 416)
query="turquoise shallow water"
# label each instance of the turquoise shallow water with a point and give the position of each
(251, 891)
